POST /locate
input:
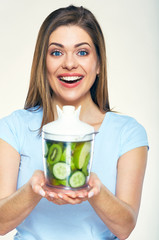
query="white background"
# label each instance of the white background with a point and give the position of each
(131, 29)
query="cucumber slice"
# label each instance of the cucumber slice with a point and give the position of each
(61, 170)
(77, 179)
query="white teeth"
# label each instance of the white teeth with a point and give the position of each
(70, 78)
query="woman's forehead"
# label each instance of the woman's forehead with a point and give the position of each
(70, 34)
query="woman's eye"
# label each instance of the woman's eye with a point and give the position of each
(82, 53)
(56, 53)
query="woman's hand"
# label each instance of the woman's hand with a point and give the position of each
(95, 185)
(62, 197)
(37, 182)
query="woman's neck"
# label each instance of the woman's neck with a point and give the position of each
(90, 113)
(85, 102)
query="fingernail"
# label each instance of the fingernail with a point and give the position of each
(51, 195)
(42, 193)
(60, 195)
(90, 194)
(81, 196)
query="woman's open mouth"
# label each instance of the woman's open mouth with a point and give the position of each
(71, 80)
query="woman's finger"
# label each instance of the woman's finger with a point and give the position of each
(38, 189)
(70, 200)
(61, 198)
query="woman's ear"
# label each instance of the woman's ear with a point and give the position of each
(98, 68)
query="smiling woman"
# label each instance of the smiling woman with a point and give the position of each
(69, 68)
(92, 40)
(72, 65)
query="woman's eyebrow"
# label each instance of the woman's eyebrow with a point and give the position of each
(56, 44)
(82, 43)
(76, 45)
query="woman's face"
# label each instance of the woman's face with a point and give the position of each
(72, 64)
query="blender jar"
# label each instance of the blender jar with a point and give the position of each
(68, 145)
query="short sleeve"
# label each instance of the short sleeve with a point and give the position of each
(133, 135)
(9, 129)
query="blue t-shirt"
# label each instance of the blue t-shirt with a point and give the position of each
(117, 135)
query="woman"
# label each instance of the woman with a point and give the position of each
(69, 68)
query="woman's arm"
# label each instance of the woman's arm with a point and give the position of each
(14, 205)
(120, 212)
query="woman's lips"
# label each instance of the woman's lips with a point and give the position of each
(70, 80)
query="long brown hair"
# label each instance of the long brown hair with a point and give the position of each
(40, 93)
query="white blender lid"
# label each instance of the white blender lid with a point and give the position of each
(68, 126)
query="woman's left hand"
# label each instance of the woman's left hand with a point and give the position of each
(74, 196)
(95, 185)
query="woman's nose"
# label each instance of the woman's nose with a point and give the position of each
(69, 62)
